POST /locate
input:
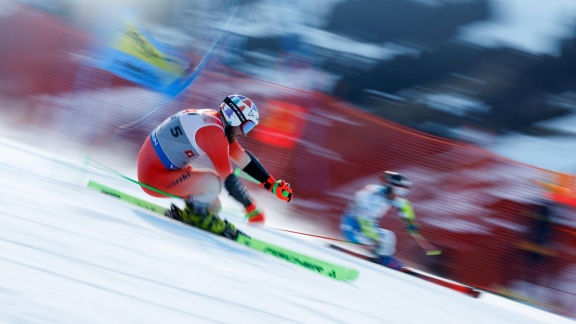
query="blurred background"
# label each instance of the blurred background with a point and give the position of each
(473, 100)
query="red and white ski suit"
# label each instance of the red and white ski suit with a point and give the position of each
(164, 158)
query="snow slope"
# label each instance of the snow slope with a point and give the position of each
(72, 255)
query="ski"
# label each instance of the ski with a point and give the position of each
(314, 264)
(415, 273)
(325, 268)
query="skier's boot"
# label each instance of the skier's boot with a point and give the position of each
(390, 262)
(198, 215)
(174, 212)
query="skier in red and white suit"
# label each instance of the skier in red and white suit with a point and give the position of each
(164, 163)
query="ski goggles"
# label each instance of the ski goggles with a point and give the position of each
(401, 191)
(247, 126)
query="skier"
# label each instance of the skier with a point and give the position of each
(164, 163)
(361, 219)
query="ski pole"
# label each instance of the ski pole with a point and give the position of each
(101, 166)
(319, 236)
(425, 245)
(98, 165)
(238, 172)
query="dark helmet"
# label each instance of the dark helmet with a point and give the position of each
(396, 179)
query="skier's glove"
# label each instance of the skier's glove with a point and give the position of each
(254, 214)
(411, 226)
(280, 188)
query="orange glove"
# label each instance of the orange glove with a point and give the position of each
(280, 188)
(254, 215)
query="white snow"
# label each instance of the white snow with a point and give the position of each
(551, 152)
(533, 26)
(72, 255)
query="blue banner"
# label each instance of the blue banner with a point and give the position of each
(128, 51)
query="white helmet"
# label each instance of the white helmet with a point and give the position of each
(240, 111)
(399, 184)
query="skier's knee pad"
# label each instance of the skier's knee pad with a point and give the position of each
(351, 229)
(387, 243)
(206, 189)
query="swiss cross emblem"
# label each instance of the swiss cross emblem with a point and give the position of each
(189, 153)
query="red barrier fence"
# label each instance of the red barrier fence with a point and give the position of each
(486, 213)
